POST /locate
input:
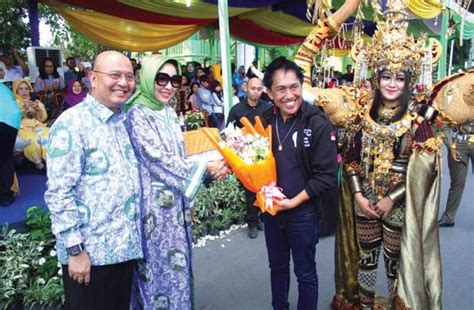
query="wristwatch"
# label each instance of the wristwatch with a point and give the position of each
(75, 250)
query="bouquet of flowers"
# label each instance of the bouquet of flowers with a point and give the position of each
(248, 152)
(251, 148)
(193, 119)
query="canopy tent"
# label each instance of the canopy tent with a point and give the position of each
(152, 25)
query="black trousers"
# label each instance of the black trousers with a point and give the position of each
(7, 161)
(109, 288)
(251, 217)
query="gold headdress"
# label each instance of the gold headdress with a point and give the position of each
(394, 50)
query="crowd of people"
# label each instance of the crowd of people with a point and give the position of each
(121, 186)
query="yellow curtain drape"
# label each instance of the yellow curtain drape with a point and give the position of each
(197, 9)
(280, 22)
(425, 9)
(125, 34)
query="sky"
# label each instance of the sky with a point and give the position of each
(46, 37)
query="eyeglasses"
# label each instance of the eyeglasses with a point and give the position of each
(163, 79)
(116, 75)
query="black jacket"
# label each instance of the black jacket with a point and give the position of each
(243, 108)
(317, 150)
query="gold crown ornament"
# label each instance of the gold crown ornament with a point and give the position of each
(394, 50)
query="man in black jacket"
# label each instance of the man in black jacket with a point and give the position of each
(250, 107)
(303, 143)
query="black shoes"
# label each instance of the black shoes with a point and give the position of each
(442, 223)
(6, 200)
(253, 232)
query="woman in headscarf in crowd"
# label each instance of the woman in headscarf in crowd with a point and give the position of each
(33, 134)
(190, 70)
(49, 79)
(10, 117)
(169, 181)
(75, 93)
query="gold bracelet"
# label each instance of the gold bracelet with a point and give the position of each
(354, 183)
(398, 193)
(332, 24)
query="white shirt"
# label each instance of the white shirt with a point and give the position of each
(14, 73)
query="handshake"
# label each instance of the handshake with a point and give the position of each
(218, 169)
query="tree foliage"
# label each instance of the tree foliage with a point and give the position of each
(71, 41)
(14, 30)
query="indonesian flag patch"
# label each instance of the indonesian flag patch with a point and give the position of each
(333, 136)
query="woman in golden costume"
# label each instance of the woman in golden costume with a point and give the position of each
(391, 169)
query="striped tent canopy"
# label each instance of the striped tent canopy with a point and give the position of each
(156, 24)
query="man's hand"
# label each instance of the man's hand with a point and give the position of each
(383, 207)
(365, 206)
(285, 204)
(455, 154)
(218, 169)
(79, 268)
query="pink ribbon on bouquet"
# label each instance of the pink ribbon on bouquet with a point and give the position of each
(267, 196)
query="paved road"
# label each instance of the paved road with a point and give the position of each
(232, 272)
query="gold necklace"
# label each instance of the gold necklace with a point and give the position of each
(377, 148)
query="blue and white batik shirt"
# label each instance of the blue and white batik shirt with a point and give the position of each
(93, 187)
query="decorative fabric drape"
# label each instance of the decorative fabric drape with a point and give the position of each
(198, 9)
(125, 33)
(153, 25)
(251, 31)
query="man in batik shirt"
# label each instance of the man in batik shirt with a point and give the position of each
(93, 191)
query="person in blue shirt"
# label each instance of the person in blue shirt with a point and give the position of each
(94, 191)
(207, 103)
(240, 80)
(71, 73)
(10, 117)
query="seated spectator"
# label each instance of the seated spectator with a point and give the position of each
(72, 73)
(190, 70)
(198, 73)
(32, 137)
(49, 80)
(182, 96)
(135, 64)
(137, 78)
(218, 98)
(86, 83)
(240, 80)
(9, 55)
(75, 93)
(206, 102)
(235, 99)
(192, 98)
